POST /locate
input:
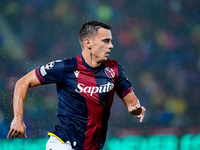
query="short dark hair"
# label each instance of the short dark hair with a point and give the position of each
(90, 28)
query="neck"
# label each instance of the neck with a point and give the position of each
(90, 59)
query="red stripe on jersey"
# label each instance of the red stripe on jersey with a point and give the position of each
(95, 111)
(108, 74)
(112, 71)
(37, 73)
(127, 91)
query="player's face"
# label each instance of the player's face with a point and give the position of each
(101, 45)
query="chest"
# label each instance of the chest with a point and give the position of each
(90, 84)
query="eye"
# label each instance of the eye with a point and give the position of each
(106, 40)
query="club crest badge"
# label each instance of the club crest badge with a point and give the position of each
(109, 72)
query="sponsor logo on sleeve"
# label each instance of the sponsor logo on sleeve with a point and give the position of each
(43, 71)
(46, 67)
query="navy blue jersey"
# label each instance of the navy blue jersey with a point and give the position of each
(85, 97)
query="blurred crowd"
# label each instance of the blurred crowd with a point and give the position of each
(157, 43)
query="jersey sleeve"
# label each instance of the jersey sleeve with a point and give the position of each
(51, 72)
(122, 86)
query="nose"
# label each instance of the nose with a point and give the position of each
(111, 45)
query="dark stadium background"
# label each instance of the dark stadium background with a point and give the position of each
(156, 41)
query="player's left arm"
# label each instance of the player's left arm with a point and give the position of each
(133, 105)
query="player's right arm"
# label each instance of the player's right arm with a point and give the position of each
(18, 128)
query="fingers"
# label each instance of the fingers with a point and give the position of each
(17, 129)
(138, 106)
(12, 133)
(141, 119)
(20, 136)
(24, 135)
(134, 108)
(8, 136)
(142, 114)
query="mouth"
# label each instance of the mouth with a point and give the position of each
(107, 53)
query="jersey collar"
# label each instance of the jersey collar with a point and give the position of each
(89, 67)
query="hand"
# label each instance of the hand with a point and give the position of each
(17, 128)
(137, 111)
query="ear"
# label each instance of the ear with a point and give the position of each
(88, 43)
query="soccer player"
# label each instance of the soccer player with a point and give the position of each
(85, 88)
